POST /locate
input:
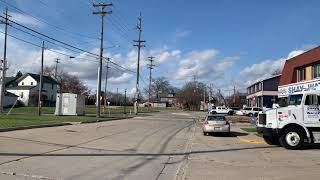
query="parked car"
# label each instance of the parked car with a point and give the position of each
(216, 123)
(236, 111)
(221, 110)
(249, 111)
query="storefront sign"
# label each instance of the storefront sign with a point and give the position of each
(285, 91)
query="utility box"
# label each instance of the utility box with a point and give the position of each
(68, 104)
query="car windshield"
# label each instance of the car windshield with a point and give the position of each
(295, 99)
(216, 118)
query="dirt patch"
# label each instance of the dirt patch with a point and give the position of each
(238, 119)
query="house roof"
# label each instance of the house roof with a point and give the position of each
(10, 94)
(20, 87)
(9, 80)
(46, 79)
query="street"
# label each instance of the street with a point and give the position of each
(165, 145)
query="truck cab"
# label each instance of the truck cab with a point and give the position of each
(221, 110)
(295, 124)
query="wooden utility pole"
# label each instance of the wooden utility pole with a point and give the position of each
(125, 102)
(56, 69)
(102, 12)
(105, 87)
(150, 66)
(40, 84)
(4, 61)
(139, 45)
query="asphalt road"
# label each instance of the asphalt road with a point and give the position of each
(167, 145)
(141, 148)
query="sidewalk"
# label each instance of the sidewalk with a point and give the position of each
(251, 138)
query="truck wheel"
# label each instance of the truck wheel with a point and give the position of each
(213, 112)
(250, 114)
(271, 140)
(292, 138)
(230, 113)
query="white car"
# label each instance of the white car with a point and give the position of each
(221, 110)
(250, 111)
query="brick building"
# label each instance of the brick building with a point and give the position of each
(301, 73)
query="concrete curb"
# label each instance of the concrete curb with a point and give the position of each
(34, 127)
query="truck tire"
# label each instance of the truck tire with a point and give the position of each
(250, 114)
(271, 141)
(292, 138)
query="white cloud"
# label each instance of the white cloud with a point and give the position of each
(25, 19)
(265, 68)
(124, 78)
(204, 64)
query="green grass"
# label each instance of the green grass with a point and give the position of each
(17, 120)
(250, 130)
(27, 116)
(89, 110)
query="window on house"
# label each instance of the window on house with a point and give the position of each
(22, 83)
(301, 74)
(52, 97)
(31, 83)
(21, 94)
(51, 86)
(316, 71)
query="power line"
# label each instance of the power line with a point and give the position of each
(46, 22)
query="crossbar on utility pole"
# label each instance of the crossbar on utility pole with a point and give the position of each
(150, 67)
(139, 45)
(102, 12)
(4, 61)
(40, 84)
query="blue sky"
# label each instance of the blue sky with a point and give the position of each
(223, 42)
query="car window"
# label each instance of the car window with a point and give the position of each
(216, 118)
(311, 99)
(247, 109)
(256, 109)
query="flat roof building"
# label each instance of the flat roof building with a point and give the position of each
(263, 93)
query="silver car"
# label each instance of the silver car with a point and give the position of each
(215, 123)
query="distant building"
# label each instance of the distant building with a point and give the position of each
(27, 89)
(169, 99)
(263, 93)
(301, 73)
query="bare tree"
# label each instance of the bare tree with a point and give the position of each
(159, 86)
(191, 95)
(67, 83)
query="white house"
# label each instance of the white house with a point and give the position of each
(27, 88)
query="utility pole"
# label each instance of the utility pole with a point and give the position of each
(105, 86)
(56, 70)
(40, 84)
(4, 61)
(150, 66)
(139, 45)
(117, 97)
(102, 12)
(125, 102)
(234, 95)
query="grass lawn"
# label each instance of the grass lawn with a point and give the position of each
(89, 110)
(17, 120)
(252, 130)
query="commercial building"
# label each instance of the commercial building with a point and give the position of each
(301, 73)
(263, 93)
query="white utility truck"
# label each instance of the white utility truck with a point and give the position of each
(295, 124)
